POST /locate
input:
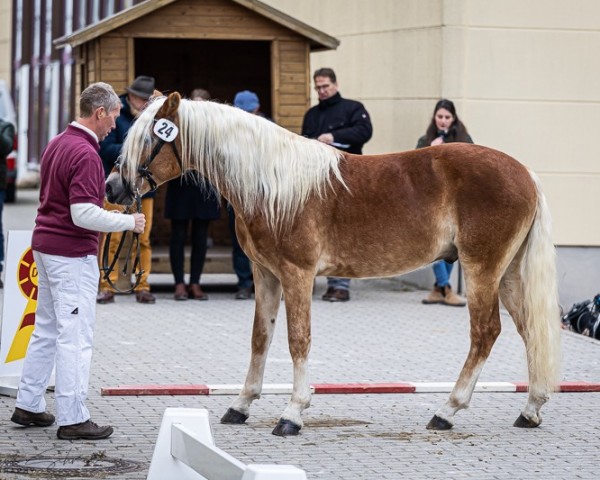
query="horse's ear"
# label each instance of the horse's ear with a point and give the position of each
(169, 108)
(155, 94)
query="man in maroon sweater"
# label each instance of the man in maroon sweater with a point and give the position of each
(65, 245)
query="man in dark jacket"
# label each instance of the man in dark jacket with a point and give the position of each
(7, 136)
(341, 123)
(133, 102)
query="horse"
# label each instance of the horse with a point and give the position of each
(304, 209)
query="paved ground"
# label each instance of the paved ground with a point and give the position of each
(383, 335)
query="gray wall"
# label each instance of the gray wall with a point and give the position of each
(578, 270)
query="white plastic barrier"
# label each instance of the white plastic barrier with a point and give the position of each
(185, 450)
(18, 310)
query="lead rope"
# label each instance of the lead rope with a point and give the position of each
(108, 269)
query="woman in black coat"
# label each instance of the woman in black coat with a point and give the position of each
(189, 200)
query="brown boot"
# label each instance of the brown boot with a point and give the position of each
(84, 431)
(196, 293)
(25, 418)
(452, 299)
(180, 292)
(436, 296)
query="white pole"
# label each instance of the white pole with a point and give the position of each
(54, 100)
(22, 79)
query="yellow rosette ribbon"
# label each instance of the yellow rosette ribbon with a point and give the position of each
(27, 279)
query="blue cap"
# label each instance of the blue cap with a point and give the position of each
(246, 100)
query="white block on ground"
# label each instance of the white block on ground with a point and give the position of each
(163, 464)
(185, 450)
(273, 472)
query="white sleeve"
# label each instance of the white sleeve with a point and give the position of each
(93, 217)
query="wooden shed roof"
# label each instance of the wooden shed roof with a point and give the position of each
(318, 39)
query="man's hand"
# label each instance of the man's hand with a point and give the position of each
(326, 138)
(140, 222)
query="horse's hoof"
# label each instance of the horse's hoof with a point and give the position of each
(523, 422)
(438, 423)
(234, 417)
(285, 428)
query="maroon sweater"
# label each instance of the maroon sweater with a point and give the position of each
(70, 172)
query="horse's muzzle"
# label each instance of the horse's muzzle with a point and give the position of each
(116, 191)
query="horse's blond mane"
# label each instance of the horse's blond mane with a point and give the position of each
(262, 167)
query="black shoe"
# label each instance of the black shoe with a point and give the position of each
(327, 295)
(244, 294)
(340, 295)
(25, 418)
(84, 431)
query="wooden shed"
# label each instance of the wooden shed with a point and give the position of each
(224, 46)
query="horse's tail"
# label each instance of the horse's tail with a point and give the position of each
(540, 299)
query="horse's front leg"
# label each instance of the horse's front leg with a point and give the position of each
(268, 300)
(297, 292)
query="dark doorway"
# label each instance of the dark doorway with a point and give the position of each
(223, 67)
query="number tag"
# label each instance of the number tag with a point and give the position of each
(166, 130)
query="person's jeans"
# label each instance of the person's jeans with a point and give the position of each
(442, 271)
(241, 263)
(338, 283)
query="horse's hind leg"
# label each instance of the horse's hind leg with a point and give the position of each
(485, 327)
(268, 300)
(512, 297)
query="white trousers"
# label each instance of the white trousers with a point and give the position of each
(63, 333)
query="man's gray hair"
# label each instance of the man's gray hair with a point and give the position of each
(97, 95)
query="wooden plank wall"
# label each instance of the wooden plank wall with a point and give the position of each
(291, 87)
(115, 61)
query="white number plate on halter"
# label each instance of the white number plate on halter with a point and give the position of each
(166, 130)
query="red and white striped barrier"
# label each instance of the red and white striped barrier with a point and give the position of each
(338, 388)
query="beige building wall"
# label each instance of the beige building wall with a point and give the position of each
(523, 74)
(5, 40)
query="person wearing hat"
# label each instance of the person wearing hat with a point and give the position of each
(133, 103)
(247, 101)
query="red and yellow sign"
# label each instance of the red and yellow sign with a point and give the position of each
(27, 280)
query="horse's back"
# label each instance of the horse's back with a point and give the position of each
(411, 208)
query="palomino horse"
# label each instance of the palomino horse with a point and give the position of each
(305, 209)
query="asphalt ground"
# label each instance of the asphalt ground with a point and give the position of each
(384, 334)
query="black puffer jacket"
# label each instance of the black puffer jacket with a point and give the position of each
(7, 134)
(347, 120)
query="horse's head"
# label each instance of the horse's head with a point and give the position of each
(150, 155)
